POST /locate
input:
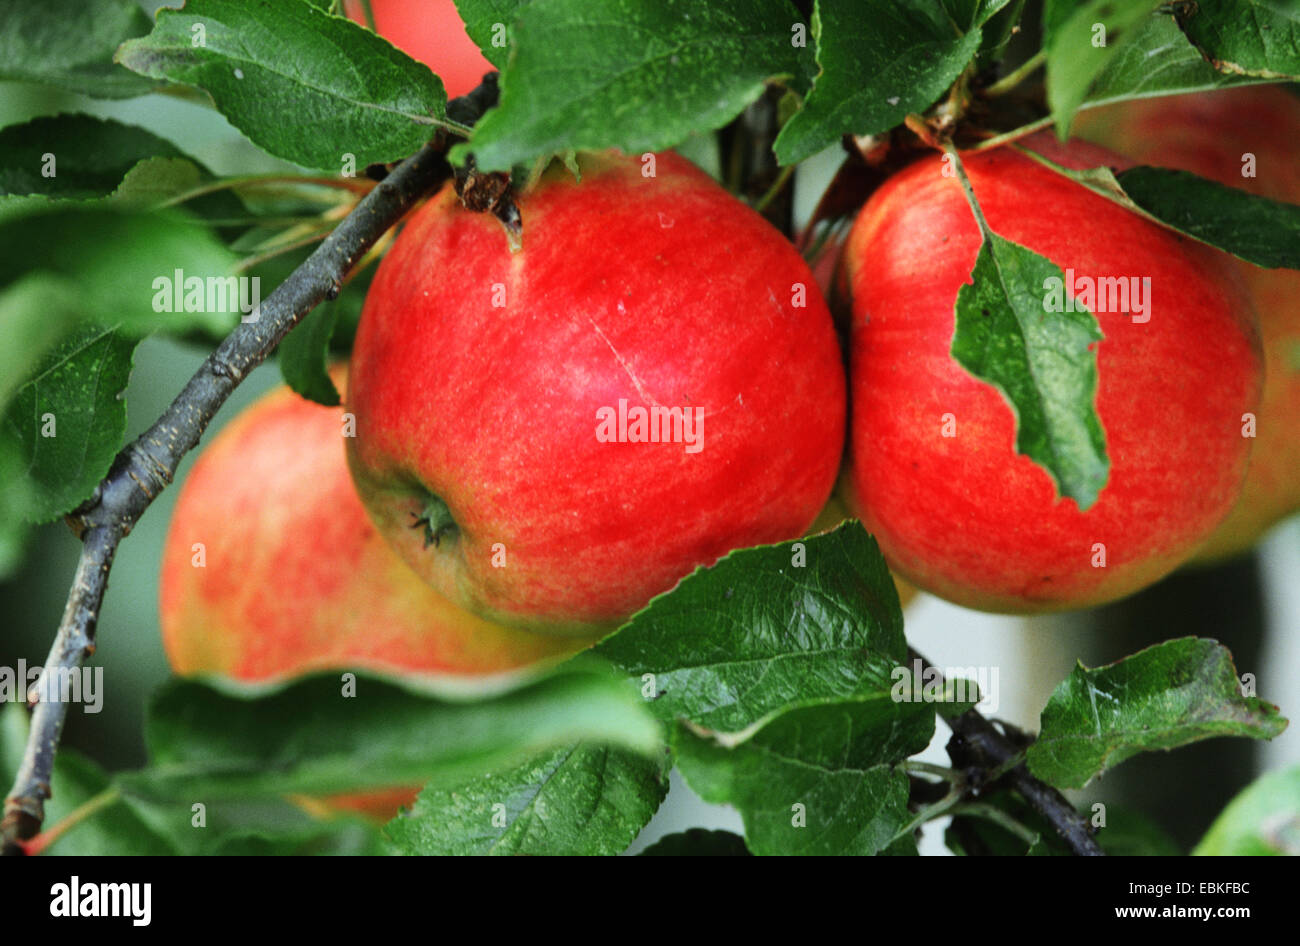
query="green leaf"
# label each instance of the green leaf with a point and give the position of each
(113, 829)
(154, 181)
(801, 791)
(115, 255)
(304, 355)
(311, 738)
(15, 502)
(482, 18)
(70, 44)
(1246, 37)
(1080, 40)
(36, 311)
(758, 633)
(577, 799)
(91, 155)
(698, 842)
(1157, 59)
(69, 420)
(972, 14)
(639, 75)
(880, 61)
(299, 83)
(1166, 696)
(1263, 819)
(1043, 362)
(262, 827)
(1261, 231)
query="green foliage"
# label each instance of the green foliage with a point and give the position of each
(207, 744)
(1082, 39)
(768, 678)
(1260, 231)
(1163, 697)
(1269, 47)
(482, 18)
(1263, 820)
(758, 633)
(38, 45)
(1044, 363)
(642, 76)
(880, 61)
(303, 85)
(577, 799)
(69, 419)
(91, 155)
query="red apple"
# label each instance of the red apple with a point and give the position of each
(1210, 134)
(432, 32)
(964, 515)
(491, 390)
(293, 577)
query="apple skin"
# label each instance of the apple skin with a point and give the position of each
(660, 290)
(296, 579)
(432, 32)
(967, 518)
(1207, 134)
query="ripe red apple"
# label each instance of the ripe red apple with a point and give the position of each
(497, 393)
(294, 578)
(432, 32)
(1210, 134)
(963, 515)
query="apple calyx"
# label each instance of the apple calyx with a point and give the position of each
(436, 520)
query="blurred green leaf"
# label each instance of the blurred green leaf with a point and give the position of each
(1081, 39)
(1263, 819)
(311, 738)
(117, 258)
(90, 155)
(70, 44)
(304, 355)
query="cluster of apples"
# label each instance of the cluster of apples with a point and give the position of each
(535, 442)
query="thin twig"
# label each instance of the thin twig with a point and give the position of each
(976, 741)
